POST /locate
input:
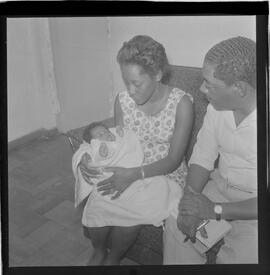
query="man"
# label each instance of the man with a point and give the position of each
(229, 131)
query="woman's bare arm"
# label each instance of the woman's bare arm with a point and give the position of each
(108, 122)
(118, 114)
(179, 141)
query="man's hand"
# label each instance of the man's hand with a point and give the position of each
(188, 225)
(197, 205)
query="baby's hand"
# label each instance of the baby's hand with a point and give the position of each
(119, 130)
(88, 172)
(86, 160)
(103, 150)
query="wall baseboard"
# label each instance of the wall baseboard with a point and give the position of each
(24, 140)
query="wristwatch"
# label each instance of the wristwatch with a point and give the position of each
(218, 211)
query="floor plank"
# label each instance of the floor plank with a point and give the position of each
(44, 226)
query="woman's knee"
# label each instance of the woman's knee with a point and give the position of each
(96, 232)
(126, 230)
(124, 236)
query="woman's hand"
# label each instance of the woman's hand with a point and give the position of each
(197, 205)
(121, 179)
(87, 171)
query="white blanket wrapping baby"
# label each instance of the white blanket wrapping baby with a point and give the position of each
(125, 152)
(147, 201)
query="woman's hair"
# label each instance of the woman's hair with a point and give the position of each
(235, 59)
(87, 135)
(144, 51)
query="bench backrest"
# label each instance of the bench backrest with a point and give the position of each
(189, 79)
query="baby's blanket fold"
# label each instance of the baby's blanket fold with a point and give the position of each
(129, 153)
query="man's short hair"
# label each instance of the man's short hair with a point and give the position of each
(235, 59)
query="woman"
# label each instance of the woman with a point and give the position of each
(162, 117)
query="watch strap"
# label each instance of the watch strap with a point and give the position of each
(218, 215)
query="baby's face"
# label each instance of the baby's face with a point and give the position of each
(103, 134)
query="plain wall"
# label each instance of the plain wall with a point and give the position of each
(87, 75)
(82, 70)
(186, 38)
(29, 106)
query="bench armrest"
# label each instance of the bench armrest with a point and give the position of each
(75, 137)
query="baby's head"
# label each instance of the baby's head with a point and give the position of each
(97, 130)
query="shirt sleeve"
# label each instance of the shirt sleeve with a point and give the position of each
(205, 150)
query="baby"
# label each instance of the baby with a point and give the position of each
(107, 145)
(103, 147)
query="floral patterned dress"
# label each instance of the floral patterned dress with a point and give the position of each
(152, 202)
(155, 132)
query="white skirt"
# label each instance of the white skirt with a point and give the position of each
(148, 201)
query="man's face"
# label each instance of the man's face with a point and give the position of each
(218, 93)
(103, 134)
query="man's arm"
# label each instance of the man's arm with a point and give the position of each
(197, 178)
(200, 206)
(242, 210)
(204, 153)
(201, 163)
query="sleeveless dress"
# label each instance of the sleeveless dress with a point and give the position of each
(151, 200)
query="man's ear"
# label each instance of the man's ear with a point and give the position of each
(158, 76)
(240, 88)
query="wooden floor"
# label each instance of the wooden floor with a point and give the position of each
(44, 227)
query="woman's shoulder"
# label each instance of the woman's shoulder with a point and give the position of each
(125, 100)
(180, 95)
(122, 96)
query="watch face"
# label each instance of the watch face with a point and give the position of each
(218, 209)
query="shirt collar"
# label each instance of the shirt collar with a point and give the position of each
(250, 119)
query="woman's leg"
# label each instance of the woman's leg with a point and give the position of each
(122, 239)
(98, 236)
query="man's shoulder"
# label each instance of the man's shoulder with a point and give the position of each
(213, 113)
(211, 109)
